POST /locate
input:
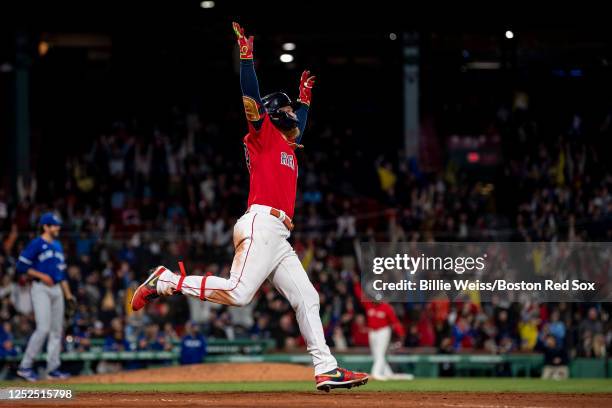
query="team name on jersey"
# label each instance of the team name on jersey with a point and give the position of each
(246, 155)
(49, 253)
(193, 343)
(287, 160)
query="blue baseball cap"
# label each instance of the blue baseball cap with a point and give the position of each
(49, 218)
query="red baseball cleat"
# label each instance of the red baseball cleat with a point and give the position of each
(340, 378)
(148, 290)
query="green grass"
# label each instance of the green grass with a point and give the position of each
(423, 385)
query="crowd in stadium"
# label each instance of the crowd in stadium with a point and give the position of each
(138, 198)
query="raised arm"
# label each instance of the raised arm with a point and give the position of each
(306, 84)
(394, 322)
(359, 295)
(253, 106)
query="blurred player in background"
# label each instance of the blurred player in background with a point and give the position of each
(381, 321)
(276, 126)
(43, 262)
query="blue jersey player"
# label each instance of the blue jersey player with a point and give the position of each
(43, 261)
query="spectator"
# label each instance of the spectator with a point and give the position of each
(555, 360)
(153, 340)
(413, 339)
(599, 346)
(590, 324)
(446, 347)
(116, 340)
(528, 332)
(463, 335)
(193, 345)
(557, 327)
(359, 332)
(338, 340)
(7, 344)
(285, 333)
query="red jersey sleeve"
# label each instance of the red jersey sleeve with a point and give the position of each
(359, 293)
(257, 137)
(394, 321)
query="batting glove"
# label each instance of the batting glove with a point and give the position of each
(245, 44)
(306, 84)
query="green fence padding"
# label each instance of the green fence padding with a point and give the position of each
(588, 368)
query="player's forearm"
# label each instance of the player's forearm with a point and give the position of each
(35, 274)
(306, 83)
(397, 326)
(66, 289)
(399, 330)
(253, 105)
(359, 295)
(302, 114)
(248, 80)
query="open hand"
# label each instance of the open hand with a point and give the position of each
(245, 44)
(306, 84)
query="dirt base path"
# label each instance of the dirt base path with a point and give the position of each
(230, 372)
(333, 399)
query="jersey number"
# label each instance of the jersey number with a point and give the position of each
(250, 109)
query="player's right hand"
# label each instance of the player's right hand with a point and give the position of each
(245, 44)
(46, 279)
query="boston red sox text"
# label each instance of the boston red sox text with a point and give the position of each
(496, 285)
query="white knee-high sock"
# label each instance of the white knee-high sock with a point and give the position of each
(192, 284)
(168, 281)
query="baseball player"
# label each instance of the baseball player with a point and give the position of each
(381, 319)
(276, 126)
(42, 260)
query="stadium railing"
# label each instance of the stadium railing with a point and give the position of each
(422, 366)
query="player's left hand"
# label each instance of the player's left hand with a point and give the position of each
(306, 84)
(71, 307)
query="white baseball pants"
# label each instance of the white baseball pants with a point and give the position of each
(262, 252)
(379, 343)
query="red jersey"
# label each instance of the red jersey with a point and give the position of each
(273, 167)
(379, 315)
